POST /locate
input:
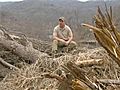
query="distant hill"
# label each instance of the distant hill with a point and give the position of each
(37, 18)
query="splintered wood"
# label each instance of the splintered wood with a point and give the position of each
(106, 33)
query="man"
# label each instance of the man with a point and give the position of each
(62, 35)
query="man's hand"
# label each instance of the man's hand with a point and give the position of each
(66, 39)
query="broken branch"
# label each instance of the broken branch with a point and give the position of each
(8, 65)
(91, 62)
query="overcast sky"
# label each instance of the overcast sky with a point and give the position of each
(22, 0)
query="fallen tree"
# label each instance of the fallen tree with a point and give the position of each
(25, 51)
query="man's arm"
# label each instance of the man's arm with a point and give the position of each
(70, 36)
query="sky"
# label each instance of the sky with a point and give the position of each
(22, 0)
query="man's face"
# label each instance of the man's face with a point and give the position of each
(61, 23)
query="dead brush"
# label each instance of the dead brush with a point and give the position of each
(31, 77)
(27, 78)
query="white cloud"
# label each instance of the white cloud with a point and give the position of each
(10, 0)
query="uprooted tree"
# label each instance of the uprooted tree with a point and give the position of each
(107, 36)
(106, 33)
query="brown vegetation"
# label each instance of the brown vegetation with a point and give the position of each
(32, 66)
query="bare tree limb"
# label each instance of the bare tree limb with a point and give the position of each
(108, 81)
(8, 65)
(90, 62)
(47, 75)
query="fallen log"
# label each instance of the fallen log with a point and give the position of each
(26, 51)
(90, 62)
(8, 65)
(108, 81)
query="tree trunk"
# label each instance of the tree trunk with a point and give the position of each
(28, 53)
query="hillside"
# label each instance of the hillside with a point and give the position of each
(37, 18)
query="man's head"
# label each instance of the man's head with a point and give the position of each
(62, 22)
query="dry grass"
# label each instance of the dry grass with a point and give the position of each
(30, 77)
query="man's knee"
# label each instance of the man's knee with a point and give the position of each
(73, 43)
(55, 41)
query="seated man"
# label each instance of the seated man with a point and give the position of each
(62, 35)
